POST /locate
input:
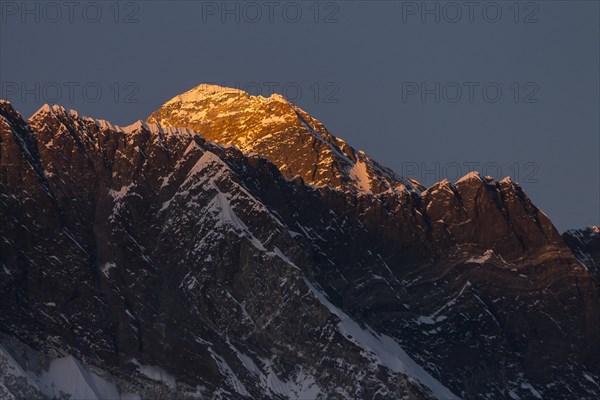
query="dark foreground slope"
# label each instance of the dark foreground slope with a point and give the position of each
(147, 253)
(150, 261)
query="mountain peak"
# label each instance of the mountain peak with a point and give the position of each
(473, 175)
(48, 109)
(8, 112)
(206, 92)
(281, 132)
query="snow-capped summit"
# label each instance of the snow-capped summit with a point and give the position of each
(281, 132)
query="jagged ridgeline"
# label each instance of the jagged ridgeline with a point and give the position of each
(231, 247)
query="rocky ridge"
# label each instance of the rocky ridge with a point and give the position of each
(185, 267)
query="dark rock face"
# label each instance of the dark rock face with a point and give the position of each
(146, 249)
(492, 298)
(585, 244)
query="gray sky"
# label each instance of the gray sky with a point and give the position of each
(504, 89)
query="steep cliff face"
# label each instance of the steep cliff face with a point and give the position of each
(585, 244)
(174, 266)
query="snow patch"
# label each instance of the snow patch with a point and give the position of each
(482, 259)
(65, 375)
(302, 386)
(155, 373)
(68, 375)
(228, 373)
(106, 267)
(360, 175)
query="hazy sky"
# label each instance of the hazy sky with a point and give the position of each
(430, 89)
